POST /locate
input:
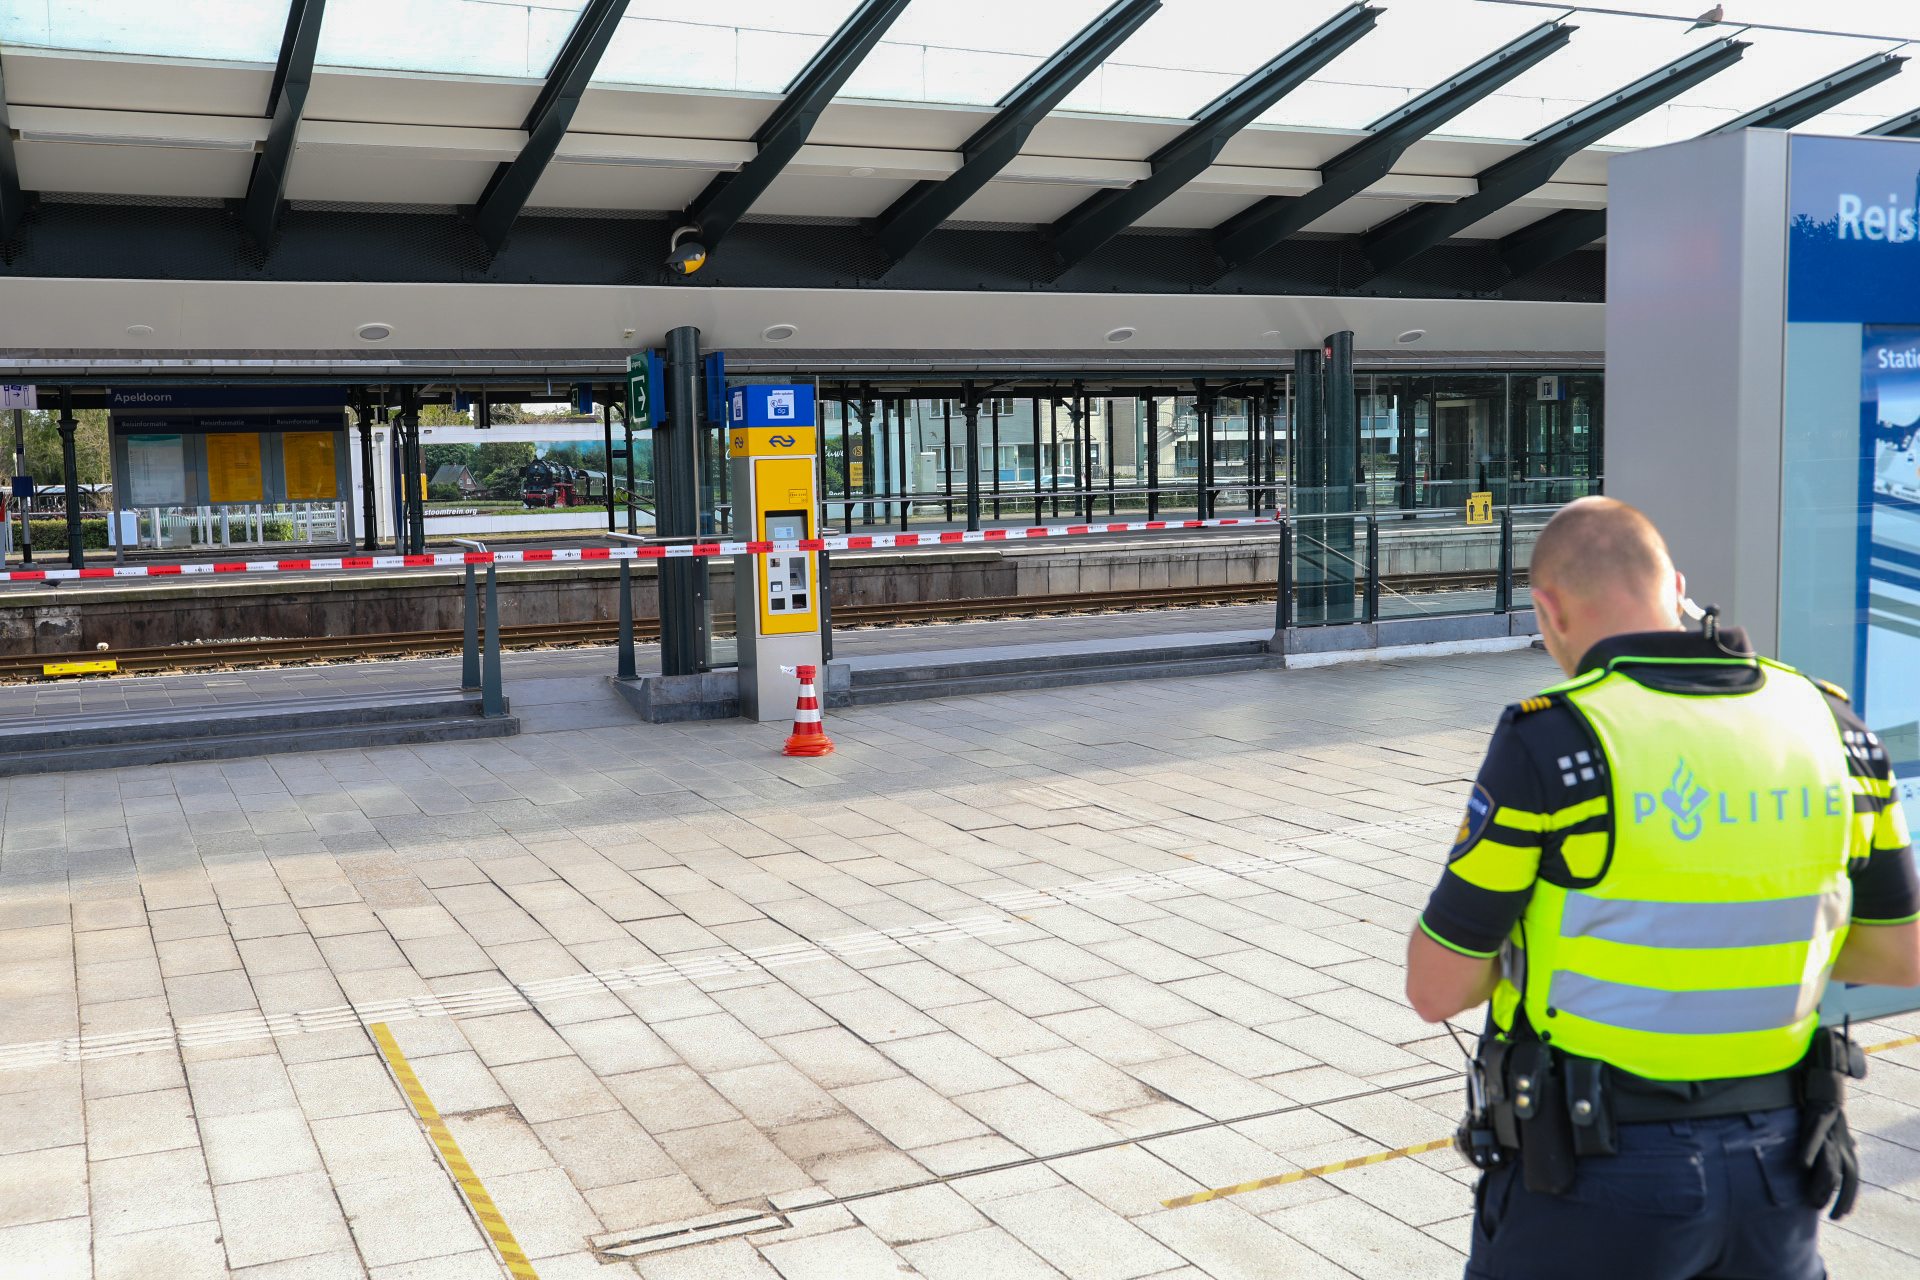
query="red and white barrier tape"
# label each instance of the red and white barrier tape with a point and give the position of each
(557, 555)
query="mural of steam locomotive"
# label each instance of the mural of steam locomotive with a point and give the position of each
(555, 484)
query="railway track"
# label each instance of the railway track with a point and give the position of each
(309, 650)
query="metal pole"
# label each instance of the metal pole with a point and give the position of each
(970, 408)
(606, 431)
(946, 458)
(676, 489)
(1283, 609)
(993, 417)
(369, 503)
(1503, 590)
(19, 470)
(824, 587)
(470, 649)
(70, 462)
(492, 700)
(1203, 402)
(1373, 568)
(1153, 458)
(416, 475)
(626, 621)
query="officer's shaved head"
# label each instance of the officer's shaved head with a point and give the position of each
(1600, 547)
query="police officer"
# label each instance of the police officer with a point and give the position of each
(1662, 862)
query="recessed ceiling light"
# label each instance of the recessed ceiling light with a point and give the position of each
(778, 332)
(375, 332)
(1411, 335)
(139, 331)
(1121, 334)
(862, 172)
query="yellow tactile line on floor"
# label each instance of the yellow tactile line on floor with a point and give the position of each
(1361, 1162)
(1299, 1175)
(463, 1174)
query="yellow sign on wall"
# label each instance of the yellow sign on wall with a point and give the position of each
(233, 466)
(1480, 508)
(308, 456)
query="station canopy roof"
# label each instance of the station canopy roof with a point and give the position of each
(417, 101)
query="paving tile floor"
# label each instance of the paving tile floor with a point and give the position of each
(971, 997)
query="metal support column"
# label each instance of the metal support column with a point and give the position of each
(1309, 476)
(1342, 449)
(369, 503)
(24, 501)
(1150, 434)
(1204, 401)
(70, 463)
(676, 461)
(412, 466)
(970, 407)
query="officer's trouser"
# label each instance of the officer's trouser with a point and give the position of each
(1718, 1199)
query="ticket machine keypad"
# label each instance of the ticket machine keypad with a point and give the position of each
(787, 582)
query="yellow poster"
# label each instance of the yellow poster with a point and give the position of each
(233, 466)
(309, 461)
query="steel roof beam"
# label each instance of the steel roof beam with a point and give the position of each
(286, 100)
(1106, 215)
(927, 204)
(1906, 126)
(728, 197)
(1269, 221)
(513, 181)
(13, 201)
(1808, 101)
(1559, 234)
(1426, 225)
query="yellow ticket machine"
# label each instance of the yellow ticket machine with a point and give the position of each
(772, 446)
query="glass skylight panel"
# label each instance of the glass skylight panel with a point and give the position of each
(217, 30)
(1605, 55)
(465, 37)
(1413, 47)
(1776, 64)
(1899, 18)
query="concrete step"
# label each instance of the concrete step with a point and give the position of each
(173, 735)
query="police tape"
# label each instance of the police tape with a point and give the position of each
(1381, 1157)
(568, 555)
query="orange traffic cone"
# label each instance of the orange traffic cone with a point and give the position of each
(809, 737)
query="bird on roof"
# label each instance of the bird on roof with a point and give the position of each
(1711, 18)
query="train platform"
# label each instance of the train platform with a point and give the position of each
(1085, 983)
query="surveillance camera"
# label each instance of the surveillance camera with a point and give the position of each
(685, 253)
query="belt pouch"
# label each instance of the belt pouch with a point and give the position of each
(1546, 1134)
(1590, 1107)
(1495, 1053)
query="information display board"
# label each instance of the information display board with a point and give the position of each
(308, 459)
(233, 467)
(156, 470)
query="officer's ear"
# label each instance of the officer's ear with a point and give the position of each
(1679, 595)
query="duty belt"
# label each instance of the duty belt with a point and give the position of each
(1554, 1108)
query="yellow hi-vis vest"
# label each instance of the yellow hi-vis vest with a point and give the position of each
(1692, 941)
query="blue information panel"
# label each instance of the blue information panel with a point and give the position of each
(1854, 266)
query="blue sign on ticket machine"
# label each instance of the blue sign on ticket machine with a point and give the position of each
(1763, 378)
(772, 447)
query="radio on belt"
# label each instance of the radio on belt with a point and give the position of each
(772, 445)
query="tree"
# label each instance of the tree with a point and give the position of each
(498, 463)
(45, 462)
(437, 456)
